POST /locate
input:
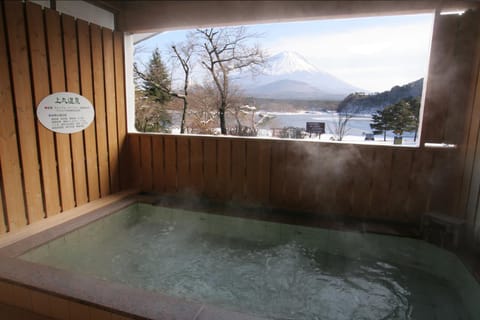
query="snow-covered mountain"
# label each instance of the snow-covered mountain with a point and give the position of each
(287, 62)
(288, 75)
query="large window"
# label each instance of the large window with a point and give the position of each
(353, 80)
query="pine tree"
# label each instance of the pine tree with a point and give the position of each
(380, 123)
(151, 96)
(156, 82)
(399, 117)
(403, 117)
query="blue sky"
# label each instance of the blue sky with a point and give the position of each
(374, 53)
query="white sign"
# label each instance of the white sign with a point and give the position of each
(65, 112)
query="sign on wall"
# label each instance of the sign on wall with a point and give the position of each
(65, 112)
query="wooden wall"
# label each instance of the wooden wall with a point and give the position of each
(470, 189)
(326, 178)
(374, 182)
(44, 173)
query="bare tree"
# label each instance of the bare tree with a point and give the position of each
(157, 82)
(246, 118)
(184, 53)
(340, 127)
(235, 108)
(226, 50)
(204, 113)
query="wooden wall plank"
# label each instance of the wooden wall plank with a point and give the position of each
(362, 183)
(57, 79)
(170, 147)
(224, 168)
(346, 159)
(21, 81)
(277, 177)
(100, 111)
(158, 164)
(146, 162)
(381, 183)
(330, 164)
(238, 160)
(293, 172)
(252, 152)
(210, 167)
(183, 163)
(306, 174)
(86, 84)
(454, 181)
(73, 85)
(11, 174)
(399, 186)
(41, 89)
(264, 163)
(310, 178)
(3, 226)
(111, 112)
(135, 161)
(443, 189)
(257, 184)
(420, 183)
(118, 49)
(196, 164)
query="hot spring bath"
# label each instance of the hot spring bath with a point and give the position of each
(263, 269)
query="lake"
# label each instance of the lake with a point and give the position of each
(358, 126)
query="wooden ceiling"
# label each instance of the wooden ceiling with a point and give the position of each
(156, 16)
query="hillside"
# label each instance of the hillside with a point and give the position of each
(290, 89)
(370, 103)
(291, 105)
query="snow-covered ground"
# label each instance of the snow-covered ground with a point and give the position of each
(357, 127)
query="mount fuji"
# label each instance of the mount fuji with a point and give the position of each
(288, 75)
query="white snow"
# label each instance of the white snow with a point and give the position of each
(289, 62)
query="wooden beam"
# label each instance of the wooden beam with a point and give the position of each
(149, 16)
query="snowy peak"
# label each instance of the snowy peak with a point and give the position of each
(287, 62)
(288, 75)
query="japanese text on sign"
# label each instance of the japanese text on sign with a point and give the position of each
(65, 112)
